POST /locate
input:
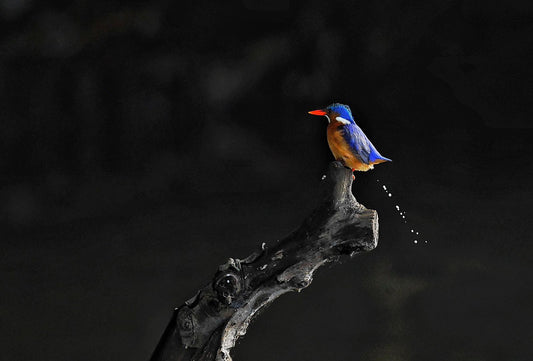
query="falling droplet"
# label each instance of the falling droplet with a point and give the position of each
(323, 177)
(402, 213)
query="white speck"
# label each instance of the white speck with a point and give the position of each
(390, 194)
(403, 217)
(397, 208)
(412, 231)
(415, 241)
(425, 241)
(323, 177)
(417, 233)
(384, 187)
(342, 120)
(262, 267)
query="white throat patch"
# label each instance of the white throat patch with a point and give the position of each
(342, 120)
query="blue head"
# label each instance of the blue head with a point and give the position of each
(336, 112)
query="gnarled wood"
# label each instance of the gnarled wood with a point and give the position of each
(207, 326)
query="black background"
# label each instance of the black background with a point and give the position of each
(144, 143)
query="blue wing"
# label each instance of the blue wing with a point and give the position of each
(363, 149)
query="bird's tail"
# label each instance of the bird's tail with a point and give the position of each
(381, 160)
(375, 157)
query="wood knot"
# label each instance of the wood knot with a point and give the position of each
(227, 286)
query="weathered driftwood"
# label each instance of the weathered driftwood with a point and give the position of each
(207, 326)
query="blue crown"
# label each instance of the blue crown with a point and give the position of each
(341, 109)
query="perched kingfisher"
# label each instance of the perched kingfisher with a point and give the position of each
(347, 141)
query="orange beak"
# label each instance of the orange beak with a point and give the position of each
(317, 112)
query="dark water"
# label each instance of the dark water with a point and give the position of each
(143, 145)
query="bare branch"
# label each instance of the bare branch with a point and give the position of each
(206, 327)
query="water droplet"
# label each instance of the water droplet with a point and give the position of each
(402, 213)
(323, 177)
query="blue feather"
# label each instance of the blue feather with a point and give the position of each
(374, 155)
(342, 110)
(363, 149)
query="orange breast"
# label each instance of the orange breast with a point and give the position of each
(341, 150)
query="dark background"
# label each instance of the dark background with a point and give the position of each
(142, 144)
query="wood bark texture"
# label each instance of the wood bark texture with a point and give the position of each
(207, 326)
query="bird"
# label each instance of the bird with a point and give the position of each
(347, 141)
